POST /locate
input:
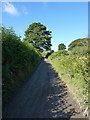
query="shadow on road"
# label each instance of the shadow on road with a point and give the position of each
(60, 106)
(43, 96)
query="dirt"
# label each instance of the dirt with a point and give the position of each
(44, 95)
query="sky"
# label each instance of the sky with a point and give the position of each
(68, 21)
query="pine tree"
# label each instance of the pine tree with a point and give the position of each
(38, 36)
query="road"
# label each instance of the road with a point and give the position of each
(44, 95)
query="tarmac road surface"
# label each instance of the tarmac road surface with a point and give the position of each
(43, 96)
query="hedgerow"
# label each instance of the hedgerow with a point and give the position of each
(58, 54)
(73, 68)
(19, 61)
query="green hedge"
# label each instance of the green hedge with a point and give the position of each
(73, 69)
(19, 61)
(58, 54)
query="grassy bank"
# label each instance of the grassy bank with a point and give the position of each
(73, 69)
(19, 61)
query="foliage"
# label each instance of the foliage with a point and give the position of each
(61, 46)
(38, 36)
(80, 47)
(58, 54)
(43, 54)
(8, 33)
(49, 53)
(73, 68)
(19, 60)
(82, 43)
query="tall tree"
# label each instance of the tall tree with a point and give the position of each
(38, 36)
(61, 46)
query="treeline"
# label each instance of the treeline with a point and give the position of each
(73, 67)
(19, 61)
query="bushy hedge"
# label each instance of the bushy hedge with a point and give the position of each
(44, 54)
(81, 43)
(74, 70)
(58, 54)
(19, 61)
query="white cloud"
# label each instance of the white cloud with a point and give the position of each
(9, 8)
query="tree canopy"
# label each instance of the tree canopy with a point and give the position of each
(79, 46)
(61, 46)
(38, 36)
(82, 42)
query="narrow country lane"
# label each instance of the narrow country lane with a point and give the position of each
(43, 96)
